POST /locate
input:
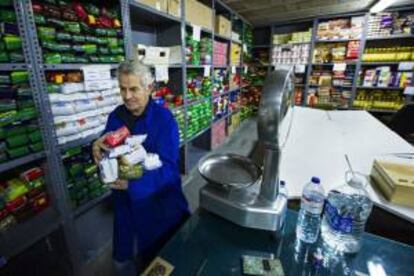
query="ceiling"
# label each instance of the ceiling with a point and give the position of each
(265, 12)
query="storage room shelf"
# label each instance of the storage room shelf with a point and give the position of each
(21, 236)
(75, 66)
(21, 161)
(198, 134)
(379, 88)
(391, 37)
(146, 12)
(331, 64)
(90, 204)
(335, 40)
(80, 142)
(12, 66)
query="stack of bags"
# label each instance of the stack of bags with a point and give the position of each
(206, 50)
(22, 197)
(75, 32)
(19, 130)
(127, 158)
(80, 110)
(10, 42)
(199, 118)
(220, 53)
(82, 178)
(220, 81)
(180, 118)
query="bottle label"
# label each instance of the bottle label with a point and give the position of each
(311, 206)
(337, 222)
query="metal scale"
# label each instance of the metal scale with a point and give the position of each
(237, 189)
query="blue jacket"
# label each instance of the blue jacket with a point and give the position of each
(153, 205)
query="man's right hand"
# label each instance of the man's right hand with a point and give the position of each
(97, 148)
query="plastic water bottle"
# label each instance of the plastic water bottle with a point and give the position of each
(283, 190)
(346, 212)
(309, 218)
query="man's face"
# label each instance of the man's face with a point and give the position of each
(133, 92)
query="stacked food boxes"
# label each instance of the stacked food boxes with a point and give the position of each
(199, 117)
(10, 41)
(343, 28)
(220, 53)
(386, 24)
(294, 54)
(235, 54)
(180, 118)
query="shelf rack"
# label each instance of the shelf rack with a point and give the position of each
(61, 214)
(357, 64)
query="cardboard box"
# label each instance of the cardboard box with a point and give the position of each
(174, 7)
(223, 26)
(198, 14)
(151, 55)
(161, 5)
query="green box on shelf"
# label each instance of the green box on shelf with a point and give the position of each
(52, 58)
(27, 114)
(16, 57)
(76, 169)
(78, 38)
(46, 33)
(4, 57)
(39, 19)
(36, 147)
(8, 117)
(72, 152)
(18, 77)
(35, 136)
(61, 36)
(18, 152)
(13, 131)
(7, 16)
(17, 141)
(53, 88)
(12, 42)
(23, 104)
(72, 27)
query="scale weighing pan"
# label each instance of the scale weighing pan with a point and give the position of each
(229, 170)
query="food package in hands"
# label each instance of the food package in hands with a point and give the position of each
(119, 150)
(138, 155)
(128, 172)
(135, 141)
(109, 169)
(117, 137)
(152, 162)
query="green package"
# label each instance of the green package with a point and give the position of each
(72, 152)
(91, 39)
(107, 59)
(103, 50)
(7, 16)
(4, 57)
(72, 27)
(100, 31)
(24, 92)
(27, 114)
(78, 38)
(68, 58)
(23, 104)
(36, 147)
(90, 169)
(63, 36)
(90, 48)
(112, 42)
(130, 172)
(18, 77)
(16, 57)
(32, 127)
(18, 130)
(17, 141)
(117, 50)
(76, 169)
(39, 19)
(8, 117)
(56, 22)
(12, 42)
(18, 152)
(101, 41)
(7, 105)
(53, 88)
(111, 32)
(46, 33)
(52, 58)
(55, 46)
(36, 183)
(81, 59)
(119, 58)
(35, 136)
(94, 59)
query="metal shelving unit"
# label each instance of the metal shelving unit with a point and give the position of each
(12, 66)
(73, 66)
(21, 161)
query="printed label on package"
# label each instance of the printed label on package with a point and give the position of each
(339, 67)
(196, 33)
(337, 222)
(311, 206)
(207, 70)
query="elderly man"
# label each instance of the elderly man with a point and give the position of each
(149, 209)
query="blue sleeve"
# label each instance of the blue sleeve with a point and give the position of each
(110, 124)
(167, 147)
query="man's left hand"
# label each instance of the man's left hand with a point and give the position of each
(120, 184)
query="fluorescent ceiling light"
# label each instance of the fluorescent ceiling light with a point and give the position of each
(381, 5)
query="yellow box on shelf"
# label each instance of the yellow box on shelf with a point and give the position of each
(198, 14)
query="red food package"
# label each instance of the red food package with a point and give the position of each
(37, 8)
(40, 202)
(3, 213)
(14, 205)
(118, 137)
(79, 10)
(104, 22)
(31, 174)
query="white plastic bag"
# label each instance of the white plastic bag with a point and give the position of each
(119, 150)
(138, 155)
(109, 169)
(152, 162)
(135, 141)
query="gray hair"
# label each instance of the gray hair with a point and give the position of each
(142, 71)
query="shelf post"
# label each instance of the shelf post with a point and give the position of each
(310, 59)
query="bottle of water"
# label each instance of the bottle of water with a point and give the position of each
(309, 218)
(283, 190)
(346, 212)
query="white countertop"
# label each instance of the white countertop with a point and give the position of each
(319, 140)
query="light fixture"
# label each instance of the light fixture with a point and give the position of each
(381, 5)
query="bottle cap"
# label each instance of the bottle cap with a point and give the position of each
(282, 183)
(316, 180)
